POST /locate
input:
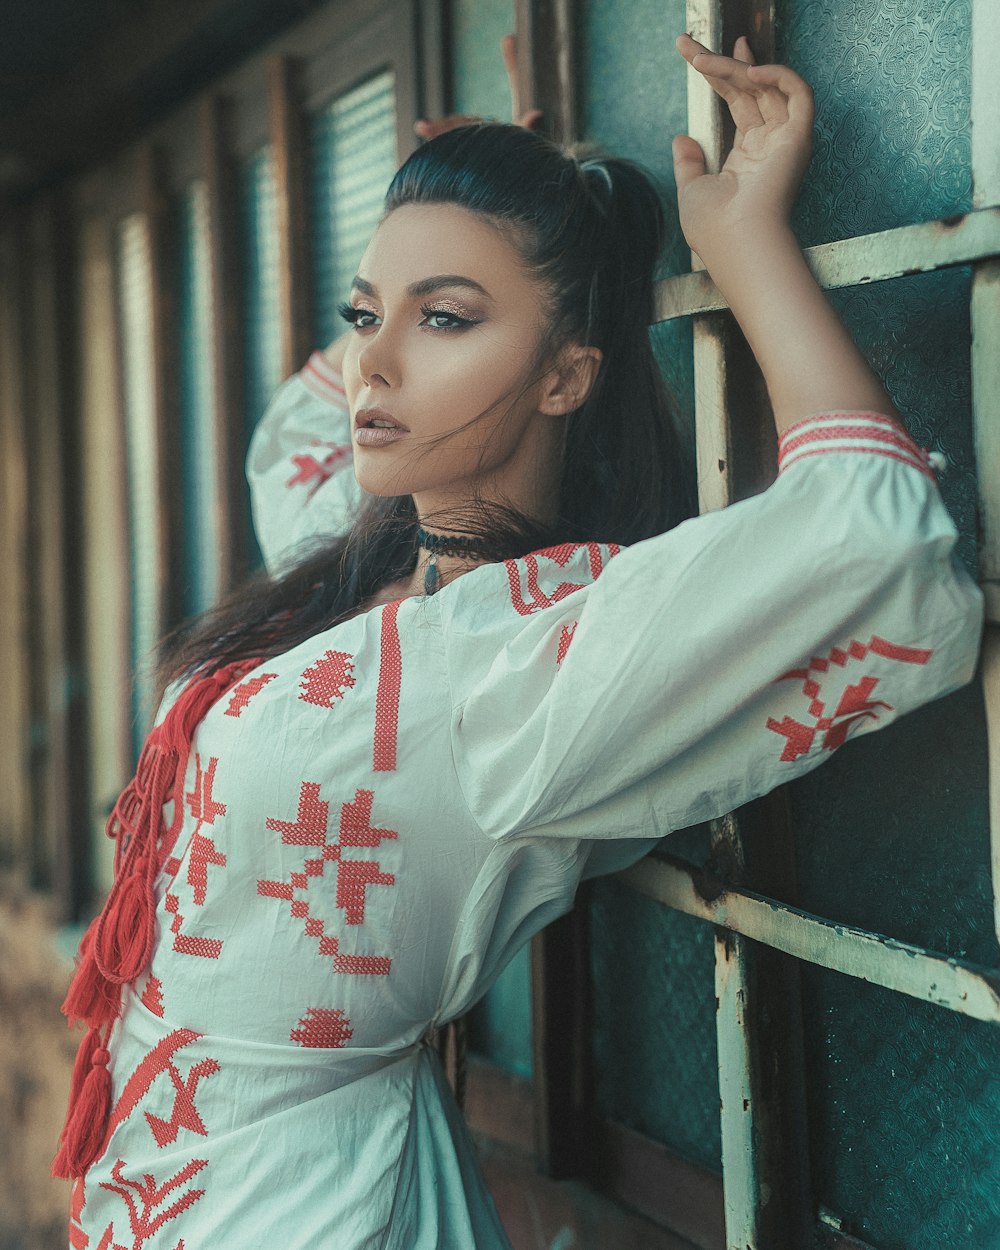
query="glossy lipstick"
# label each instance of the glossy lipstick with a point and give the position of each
(374, 427)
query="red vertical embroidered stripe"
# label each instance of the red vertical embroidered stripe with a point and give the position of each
(390, 678)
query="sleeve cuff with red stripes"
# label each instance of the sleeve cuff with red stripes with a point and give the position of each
(864, 433)
(323, 380)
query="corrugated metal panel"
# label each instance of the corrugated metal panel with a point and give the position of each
(201, 529)
(353, 161)
(261, 316)
(135, 304)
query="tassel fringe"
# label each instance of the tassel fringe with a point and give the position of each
(118, 945)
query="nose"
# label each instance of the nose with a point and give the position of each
(376, 360)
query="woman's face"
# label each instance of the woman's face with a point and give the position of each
(447, 324)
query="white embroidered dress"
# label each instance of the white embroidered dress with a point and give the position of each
(378, 818)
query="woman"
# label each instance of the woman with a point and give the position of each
(386, 767)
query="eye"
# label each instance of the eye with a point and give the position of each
(360, 318)
(439, 319)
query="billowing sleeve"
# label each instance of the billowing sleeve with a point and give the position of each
(705, 666)
(300, 464)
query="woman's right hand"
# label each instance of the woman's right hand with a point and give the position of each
(772, 108)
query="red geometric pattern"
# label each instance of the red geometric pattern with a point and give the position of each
(328, 679)
(854, 704)
(323, 1027)
(312, 472)
(353, 876)
(241, 695)
(152, 996)
(537, 599)
(390, 681)
(184, 944)
(565, 638)
(184, 1113)
(143, 1197)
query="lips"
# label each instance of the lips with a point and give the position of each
(374, 427)
(377, 418)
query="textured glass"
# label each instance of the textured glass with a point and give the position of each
(353, 161)
(500, 1025)
(479, 79)
(892, 84)
(135, 306)
(261, 325)
(893, 833)
(634, 93)
(654, 1021)
(905, 1109)
(194, 309)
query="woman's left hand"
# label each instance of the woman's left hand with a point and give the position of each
(772, 108)
(428, 128)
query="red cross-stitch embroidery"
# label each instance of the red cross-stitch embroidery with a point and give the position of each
(537, 598)
(143, 1197)
(390, 680)
(323, 1026)
(184, 943)
(152, 996)
(328, 679)
(184, 1113)
(241, 695)
(854, 704)
(565, 638)
(149, 1067)
(312, 472)
(353, 876)
(78, 1239)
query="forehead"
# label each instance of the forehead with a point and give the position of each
(419, 240)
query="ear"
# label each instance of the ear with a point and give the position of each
(571, 379)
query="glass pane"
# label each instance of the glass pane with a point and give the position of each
(634, 90)
(904, 1106)
(892, 84)
(262, 330)
(892, 833)
(354, 159)
(200, 455)
(500, 1025)
(135, 304)
(655, 1051)
(479, 78)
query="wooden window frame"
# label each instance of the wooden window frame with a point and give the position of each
(763, 1198)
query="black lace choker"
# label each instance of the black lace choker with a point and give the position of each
(448, 545)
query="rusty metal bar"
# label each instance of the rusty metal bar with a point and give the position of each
(961, 986)
(866, 258)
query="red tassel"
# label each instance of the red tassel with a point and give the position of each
(90, 997)
(89, 1108)
(123, 943)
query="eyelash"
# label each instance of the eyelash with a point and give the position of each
(353, 315)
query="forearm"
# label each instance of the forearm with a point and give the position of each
(809, 361)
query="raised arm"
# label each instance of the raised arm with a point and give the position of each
(738, 221)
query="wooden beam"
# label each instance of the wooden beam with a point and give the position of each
(290, 192)
(547, 80)
(222, 188)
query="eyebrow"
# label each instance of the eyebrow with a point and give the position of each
(426, 286)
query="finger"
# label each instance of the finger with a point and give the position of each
(689, 160)
(531, 120)
(429, 128)
(508, 50)
(742, 51)
(796, 91)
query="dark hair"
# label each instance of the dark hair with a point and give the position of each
(590, 229)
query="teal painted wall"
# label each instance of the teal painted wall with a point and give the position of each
(479, 81)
